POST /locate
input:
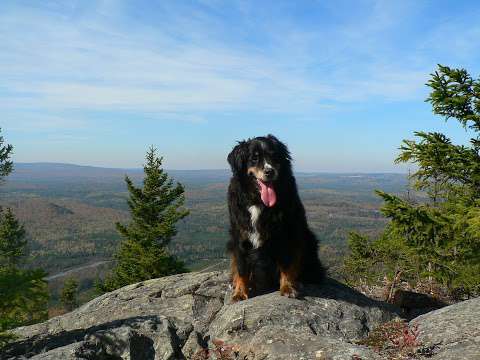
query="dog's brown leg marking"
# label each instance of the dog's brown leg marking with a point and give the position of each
(288, 279)
(240, 283)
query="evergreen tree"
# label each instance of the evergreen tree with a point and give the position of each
(155, 209)
(439, 237)
(23, 292)
(12, 240)
(6, 165)
(69, 295)
(24, 295)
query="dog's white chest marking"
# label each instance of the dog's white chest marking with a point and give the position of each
(254, 235)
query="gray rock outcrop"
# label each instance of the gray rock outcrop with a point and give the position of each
(453, 332)
(177, 316)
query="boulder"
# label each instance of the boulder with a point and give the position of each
(452, 332)
(189, 316)
(414, 304)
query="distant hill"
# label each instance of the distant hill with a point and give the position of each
(52, 172)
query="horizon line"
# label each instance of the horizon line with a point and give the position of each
(206, 169)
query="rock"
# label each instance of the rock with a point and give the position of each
(177, 316)
(452, 332)
(412, 300)
(414, 304)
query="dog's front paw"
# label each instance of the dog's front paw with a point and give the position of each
(239, 296)
(289, 291)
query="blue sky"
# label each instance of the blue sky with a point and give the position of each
(341, 82)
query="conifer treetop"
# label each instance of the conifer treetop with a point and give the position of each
(6, 165)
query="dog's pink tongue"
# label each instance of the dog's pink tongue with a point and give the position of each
(267, 194)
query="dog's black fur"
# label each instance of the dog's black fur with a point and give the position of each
(288, 254)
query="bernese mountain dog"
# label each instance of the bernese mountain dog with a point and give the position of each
(270, 243)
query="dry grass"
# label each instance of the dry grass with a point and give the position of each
(395, 340)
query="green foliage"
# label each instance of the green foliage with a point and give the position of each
(439, 238)
(136, 262)
(6, 165)
(155, 209)
(24, 297)
(23, 292)
(372, 259)
(12, 240)
(362, 259)
(455, 94)
(69, 295)
(442, 165)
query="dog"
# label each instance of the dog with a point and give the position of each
(270, 242)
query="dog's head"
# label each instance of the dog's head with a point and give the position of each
(264, 160)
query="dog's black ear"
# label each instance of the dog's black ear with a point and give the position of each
(238, 158)
(281, 147)
(273, 138)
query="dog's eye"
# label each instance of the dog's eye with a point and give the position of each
(255, 157)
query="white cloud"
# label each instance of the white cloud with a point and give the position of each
(97, 62)
(24, 121)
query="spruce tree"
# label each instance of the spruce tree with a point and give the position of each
(440, 237)
(12, 240)
(6, 165)
(155, 209)
(69, 295)
(23, 292)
